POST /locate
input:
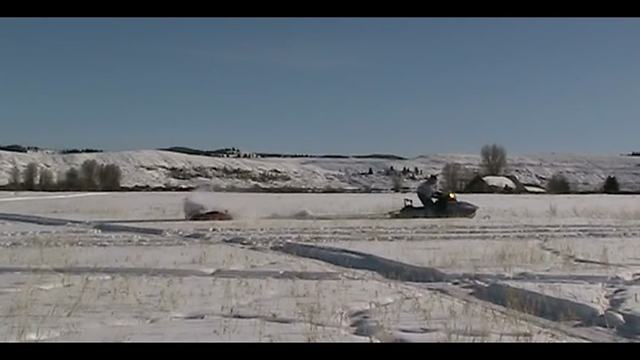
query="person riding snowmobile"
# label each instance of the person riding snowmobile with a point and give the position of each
(428, 190)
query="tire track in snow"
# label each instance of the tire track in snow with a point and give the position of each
(176, 272)
(578, 260)
(49, 197)
(320, 234)
(522, 301)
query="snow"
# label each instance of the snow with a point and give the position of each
(534, 189)
(578, 248)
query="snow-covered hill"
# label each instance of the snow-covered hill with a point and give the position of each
(163, 168)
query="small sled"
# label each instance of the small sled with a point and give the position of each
(211, 216)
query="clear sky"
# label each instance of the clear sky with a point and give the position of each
(404, 86)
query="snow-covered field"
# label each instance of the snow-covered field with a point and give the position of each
(126, 267)
(158, 168)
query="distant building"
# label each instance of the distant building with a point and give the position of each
(495, 184)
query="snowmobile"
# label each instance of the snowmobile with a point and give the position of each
(446, 205)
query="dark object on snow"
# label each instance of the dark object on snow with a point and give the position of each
(611, 185)
(558, 184)
(446, 206)
(211, 215)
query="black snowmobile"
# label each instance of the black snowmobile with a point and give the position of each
(446, 205)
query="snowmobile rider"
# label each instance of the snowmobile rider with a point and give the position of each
(428, 190)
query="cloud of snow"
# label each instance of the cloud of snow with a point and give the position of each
(191, 207)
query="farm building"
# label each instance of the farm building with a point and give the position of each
(494, 184)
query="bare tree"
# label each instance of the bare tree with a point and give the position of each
(72, 180)
(30, 175)
(451, 176)
(494, 159)
(558, 184)
(90, 178)
(611, 185)
(110, 176)
(14, 180)
(46, 180)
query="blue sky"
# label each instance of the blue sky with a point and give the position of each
(404, 86)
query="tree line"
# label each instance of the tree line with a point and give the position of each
(493, 161)
(91, 176)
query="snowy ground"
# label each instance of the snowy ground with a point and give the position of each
(526, 268)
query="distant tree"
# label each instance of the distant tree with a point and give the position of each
(30, 176)
(14, 179)
(79, 151)
(72, 180)
(611, 185)
(110, 176)
(60, 180)
(451, 173)
(46, 180)
(14, 148)
(494, 159)
(558, 184)
(89, 174)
